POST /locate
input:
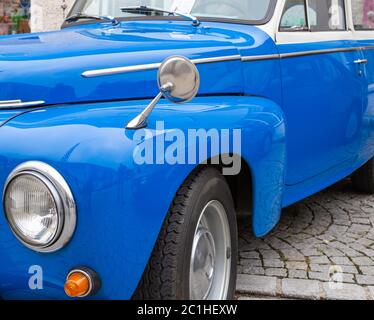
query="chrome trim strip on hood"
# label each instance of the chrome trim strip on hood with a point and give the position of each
(120, 70)
(152, 66)
(18, 104)
(10, 101)
(155, 66)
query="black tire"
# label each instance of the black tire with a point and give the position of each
(167, 275)
(363, 178)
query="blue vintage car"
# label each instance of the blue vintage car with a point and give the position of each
(132, 139)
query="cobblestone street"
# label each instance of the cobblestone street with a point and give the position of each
(328, 236)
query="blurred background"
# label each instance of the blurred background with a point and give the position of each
(24, 16)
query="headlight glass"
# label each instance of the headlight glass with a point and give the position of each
(32, 209)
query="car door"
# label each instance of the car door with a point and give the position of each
(322, 87)
(363, 23)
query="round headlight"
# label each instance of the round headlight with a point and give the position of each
(39, 207)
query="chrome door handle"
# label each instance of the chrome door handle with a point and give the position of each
(361, 61)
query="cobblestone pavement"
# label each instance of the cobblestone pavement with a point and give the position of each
(328, 236)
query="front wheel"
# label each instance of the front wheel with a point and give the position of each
(196, 254)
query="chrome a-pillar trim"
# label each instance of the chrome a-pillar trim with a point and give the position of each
(18, 104)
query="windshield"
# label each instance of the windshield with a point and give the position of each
(253, 11)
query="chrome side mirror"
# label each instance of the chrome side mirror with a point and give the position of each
(179, 82)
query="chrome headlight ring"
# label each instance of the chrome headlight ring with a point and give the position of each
(63, 200)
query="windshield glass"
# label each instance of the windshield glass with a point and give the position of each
(250, 10)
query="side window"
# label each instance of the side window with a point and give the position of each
(294, 16)
(327, 15)
(363, 14)
(320, 15)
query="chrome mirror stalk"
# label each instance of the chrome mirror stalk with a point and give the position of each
(141, 120)
(179, 82)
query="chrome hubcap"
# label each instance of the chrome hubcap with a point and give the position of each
(211, 255)
(203, 260)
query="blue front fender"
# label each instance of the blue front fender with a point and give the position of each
(121, 205)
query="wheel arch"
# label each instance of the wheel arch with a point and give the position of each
(258, 187)
(241, 186)
(261, 210)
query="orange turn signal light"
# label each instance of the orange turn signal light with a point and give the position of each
(82, 282)
(78, 284)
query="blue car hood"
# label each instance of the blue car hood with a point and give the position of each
(49, 66)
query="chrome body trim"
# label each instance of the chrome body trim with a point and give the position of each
(10, 102)
(152, 66)
(236, 57)
(64, 200)
(305, 53)
(155, 66)
(120, 70)
(261, 57)
(316, 52)
(18, 104)
(367, 48)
